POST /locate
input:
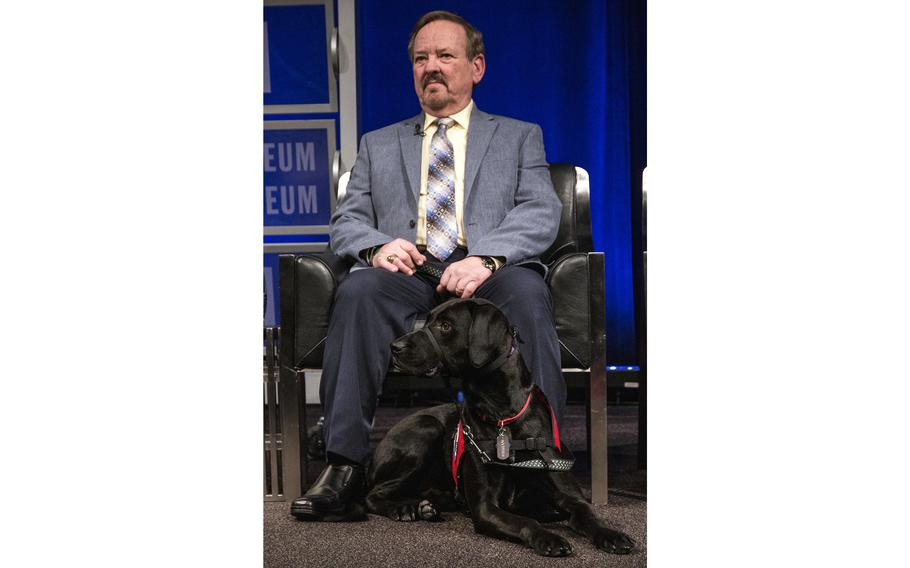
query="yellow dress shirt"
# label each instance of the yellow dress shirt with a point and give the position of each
(458, 136)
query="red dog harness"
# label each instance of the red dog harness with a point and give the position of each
(541, 461)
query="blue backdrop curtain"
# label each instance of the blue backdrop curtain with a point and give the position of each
(561, 64)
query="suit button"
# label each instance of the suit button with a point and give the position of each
(412, 223)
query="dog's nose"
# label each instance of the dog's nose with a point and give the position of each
(397, 347)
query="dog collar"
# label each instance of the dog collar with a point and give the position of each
(543, 399)
(511, 419)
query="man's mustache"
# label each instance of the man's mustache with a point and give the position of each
(431, 77)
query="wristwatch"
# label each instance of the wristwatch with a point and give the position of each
(367, 254)
(488, 263)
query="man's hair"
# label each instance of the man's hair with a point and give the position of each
(475, 38)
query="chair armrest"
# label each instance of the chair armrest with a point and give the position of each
(572, 280)
(307, 283)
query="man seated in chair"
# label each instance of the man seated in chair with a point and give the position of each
(452, 185)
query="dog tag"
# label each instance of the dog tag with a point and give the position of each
(503, 444)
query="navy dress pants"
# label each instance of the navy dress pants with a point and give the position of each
(373, 307)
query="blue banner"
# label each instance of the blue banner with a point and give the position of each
(296, 60)
(296, 169)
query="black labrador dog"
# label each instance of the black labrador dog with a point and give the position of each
(498, 455)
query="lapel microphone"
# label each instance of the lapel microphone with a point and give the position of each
(418, 130)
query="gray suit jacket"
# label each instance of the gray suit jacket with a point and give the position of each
(511, 209)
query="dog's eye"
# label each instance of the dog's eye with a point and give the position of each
(445, 327)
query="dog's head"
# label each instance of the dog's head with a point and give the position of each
(459, 335)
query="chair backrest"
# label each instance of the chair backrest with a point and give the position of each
(342, 187)
(573, 187)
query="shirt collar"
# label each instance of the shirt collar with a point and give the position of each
(461, 118)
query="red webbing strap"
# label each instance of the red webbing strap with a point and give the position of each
(505, 421)
(543, 399)
(457, 451)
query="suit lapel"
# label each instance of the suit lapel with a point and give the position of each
(479, 135)
(410, 152)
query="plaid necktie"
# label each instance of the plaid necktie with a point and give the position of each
(442, 233)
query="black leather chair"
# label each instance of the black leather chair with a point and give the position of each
(576, 279)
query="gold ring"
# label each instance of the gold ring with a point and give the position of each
(391, 258)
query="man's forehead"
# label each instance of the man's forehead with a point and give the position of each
(440, 33)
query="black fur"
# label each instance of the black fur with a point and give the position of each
(410, 475)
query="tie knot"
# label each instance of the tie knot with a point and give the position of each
(444, 123)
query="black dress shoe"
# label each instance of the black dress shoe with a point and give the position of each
(334, 496)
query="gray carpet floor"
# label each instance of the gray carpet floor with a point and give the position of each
(453, 543)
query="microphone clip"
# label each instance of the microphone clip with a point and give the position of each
(418, 131)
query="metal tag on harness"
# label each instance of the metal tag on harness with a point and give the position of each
(503, 444)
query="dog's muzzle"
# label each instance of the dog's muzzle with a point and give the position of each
(437, 350)
(399, 348)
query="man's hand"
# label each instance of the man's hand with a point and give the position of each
(398, 256)
(462, 278)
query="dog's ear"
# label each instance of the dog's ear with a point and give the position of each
(488, 331)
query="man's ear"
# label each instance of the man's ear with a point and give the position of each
(478, 67)
(488, 329)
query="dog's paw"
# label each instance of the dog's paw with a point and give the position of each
(612, 541)
(428, 512)
(423, 511)
(546, 543)
(406, 512)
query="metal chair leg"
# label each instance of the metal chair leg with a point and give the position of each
(597, 385)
